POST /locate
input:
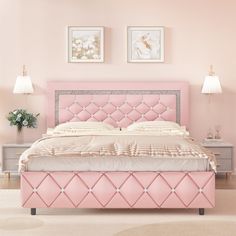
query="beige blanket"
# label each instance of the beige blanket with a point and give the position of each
(130, 145)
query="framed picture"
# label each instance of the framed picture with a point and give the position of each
(145, 44)
(85, 44)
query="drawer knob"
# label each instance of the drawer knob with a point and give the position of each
(216, 153)
(19, 153)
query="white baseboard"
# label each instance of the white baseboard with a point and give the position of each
(234, 172)
(2, 174)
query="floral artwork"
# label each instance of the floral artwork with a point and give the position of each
(145, 44)
(86, 44)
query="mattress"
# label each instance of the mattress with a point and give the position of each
(119, 151)
(116, 164)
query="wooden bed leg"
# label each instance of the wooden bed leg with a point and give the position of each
(33, 211)
(201, 211)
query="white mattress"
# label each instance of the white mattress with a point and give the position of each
(116, 164)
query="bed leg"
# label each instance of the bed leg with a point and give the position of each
(33, 211)
(201, 211)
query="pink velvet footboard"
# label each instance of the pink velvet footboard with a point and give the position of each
(118, 189)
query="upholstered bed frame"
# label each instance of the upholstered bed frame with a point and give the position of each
(119, 104)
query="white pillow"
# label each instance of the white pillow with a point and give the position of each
(159, 128)
(81, 126)
(153, 125)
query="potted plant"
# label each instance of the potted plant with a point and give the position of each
(21, 118)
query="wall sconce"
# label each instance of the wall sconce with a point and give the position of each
(23, 83)
(211, 83)
(211, 86)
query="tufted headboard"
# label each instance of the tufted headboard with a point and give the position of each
(117, 103)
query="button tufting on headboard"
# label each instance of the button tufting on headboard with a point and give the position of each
(119, 105)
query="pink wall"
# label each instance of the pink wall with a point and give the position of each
(198, 33)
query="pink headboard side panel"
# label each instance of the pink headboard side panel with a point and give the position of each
(117, 103)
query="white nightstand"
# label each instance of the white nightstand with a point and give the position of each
(224, 155)
(10, 156)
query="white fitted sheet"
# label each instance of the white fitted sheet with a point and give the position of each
(116, 164)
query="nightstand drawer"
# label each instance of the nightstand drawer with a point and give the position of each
(224, 165)
(224, 155)
(10, 152)
(10, 156)
(10, 165)
(221, 152)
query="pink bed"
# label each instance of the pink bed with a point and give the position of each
(119, 104)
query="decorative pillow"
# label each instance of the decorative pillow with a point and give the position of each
(81, 126)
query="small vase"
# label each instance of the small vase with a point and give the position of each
(19, 135)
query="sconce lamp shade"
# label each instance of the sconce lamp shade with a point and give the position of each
(211, 85)
(23, 85)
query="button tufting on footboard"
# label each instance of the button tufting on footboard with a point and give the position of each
(118, 189)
